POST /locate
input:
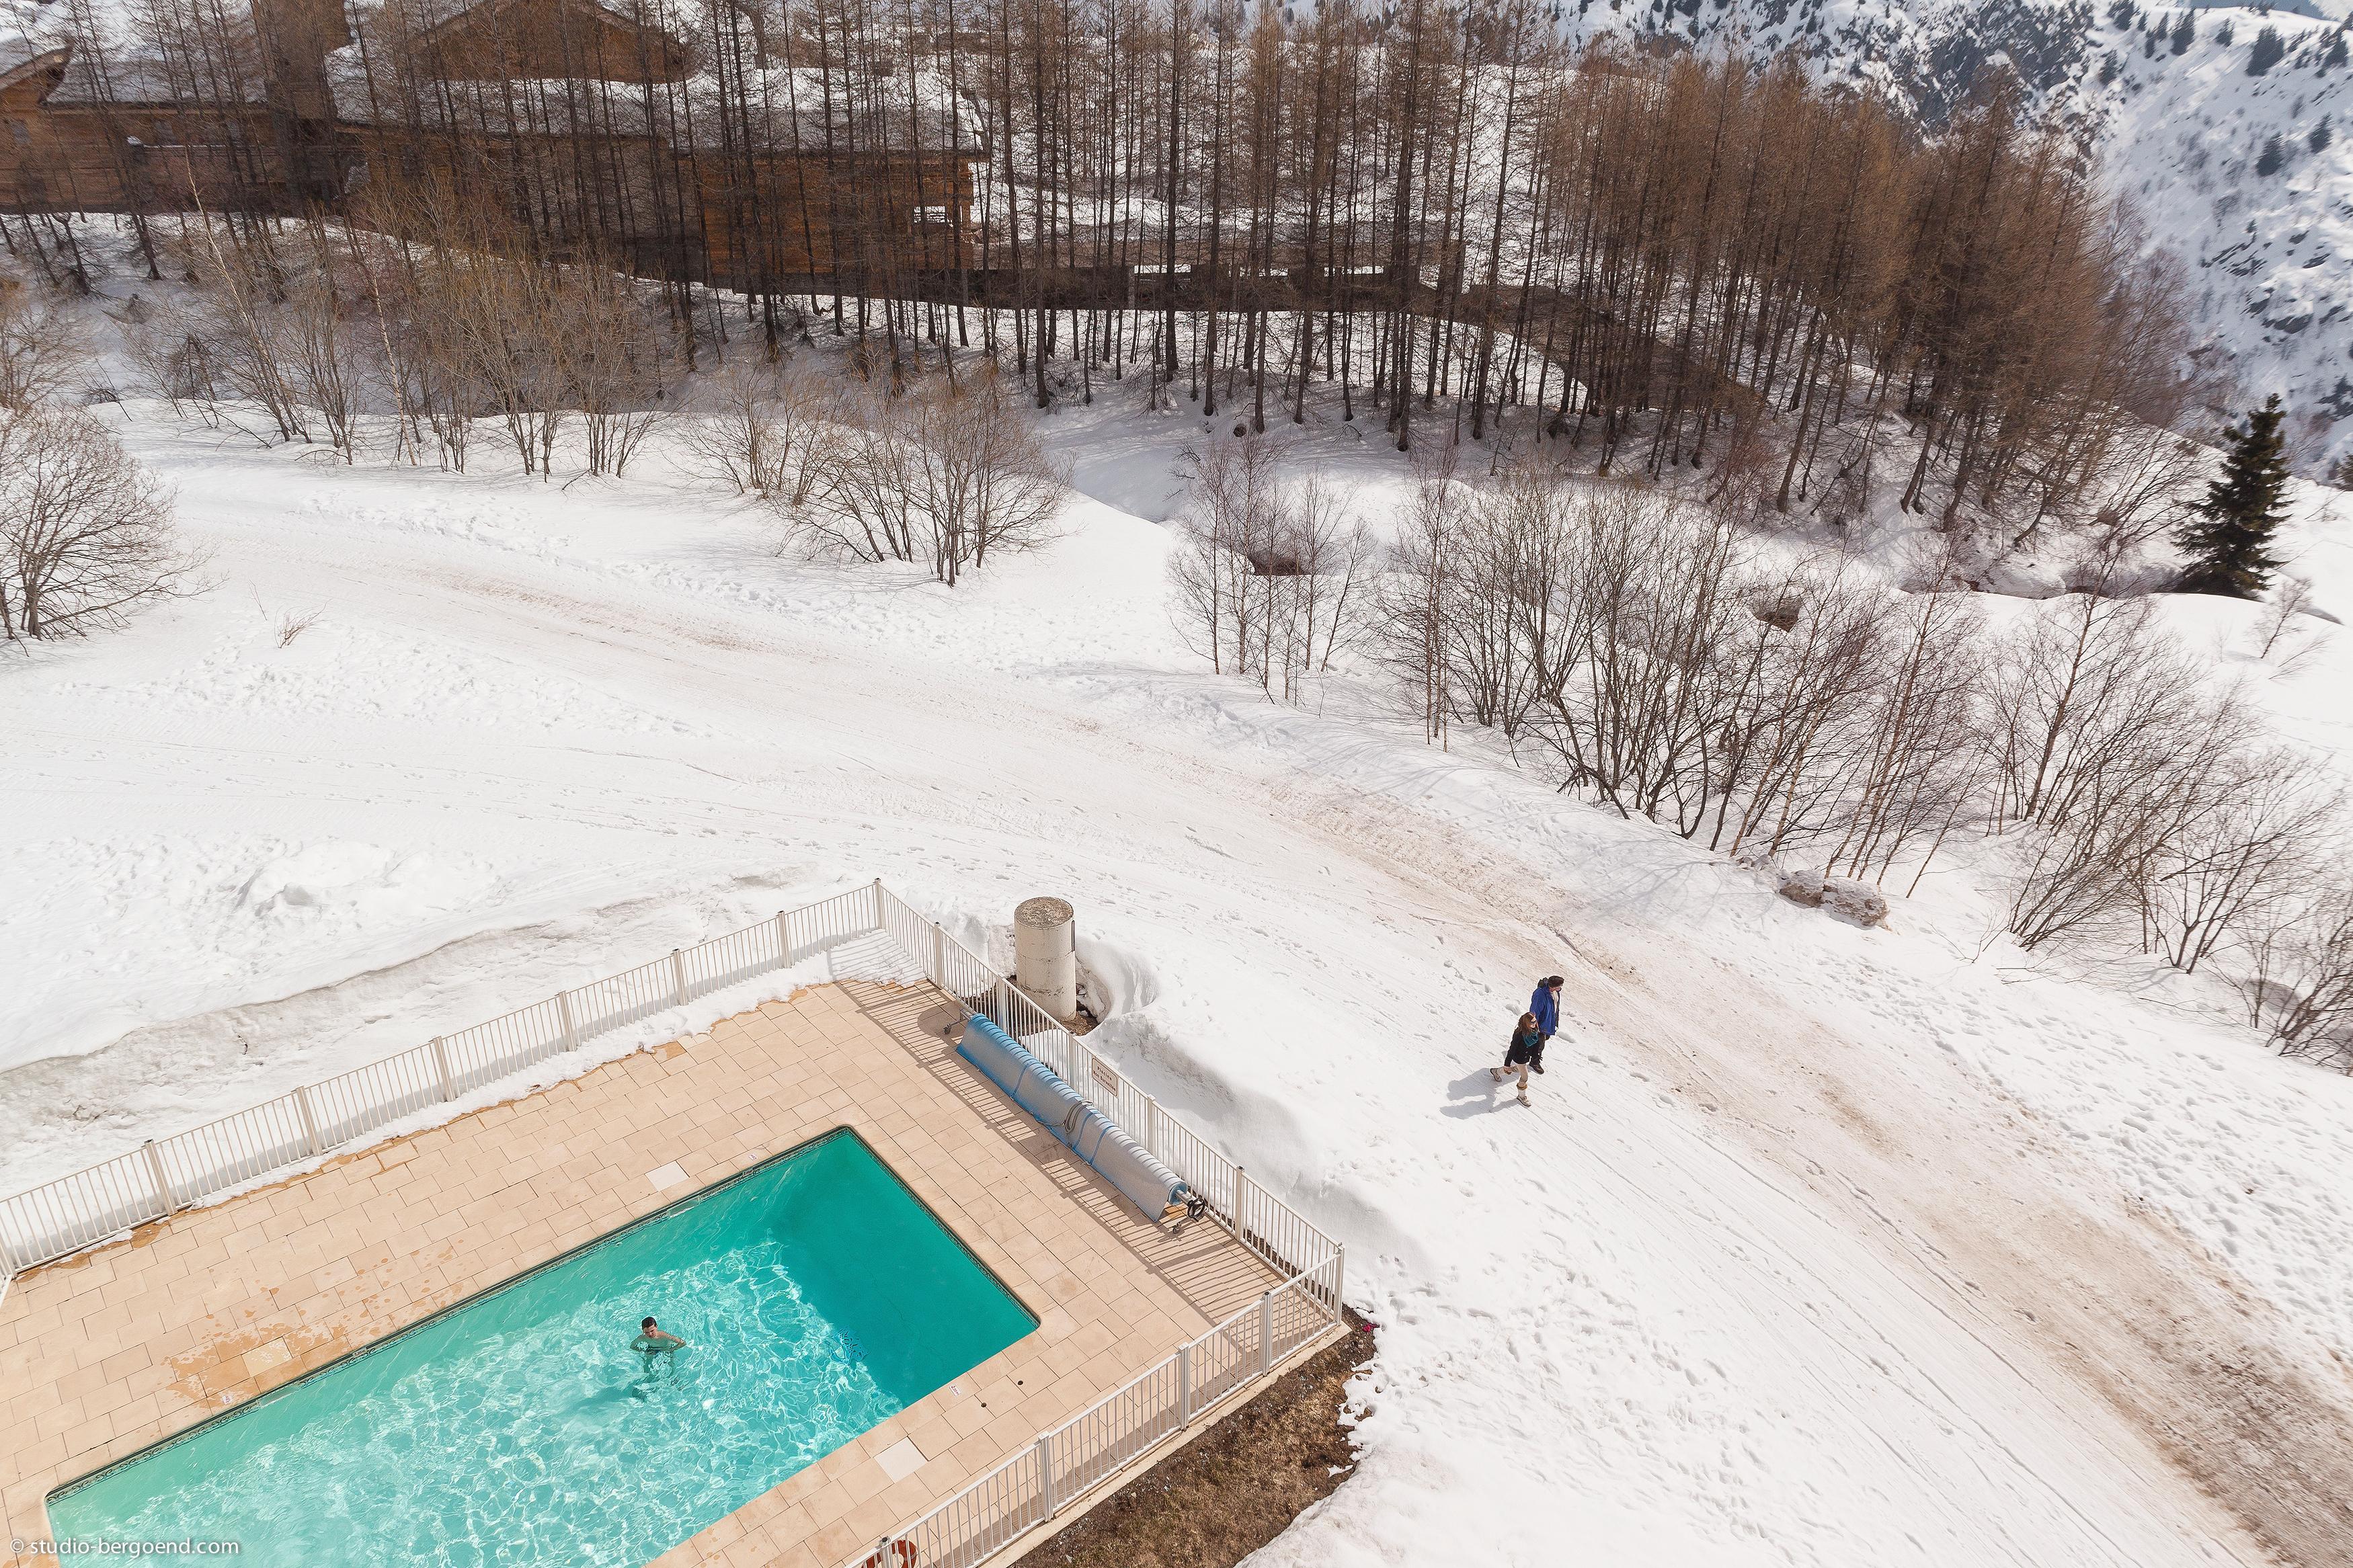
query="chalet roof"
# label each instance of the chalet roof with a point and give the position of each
(592, 10)
(782, 104)
(785, 104)
(81, 77)
(44, 63)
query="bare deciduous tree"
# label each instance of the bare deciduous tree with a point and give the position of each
(1272, 578)
(942, 476)
(767, 432)
(86, 534)
(2259, 833)
(42, 351)
(615, 362)
(1231, 516)
(2299, 986)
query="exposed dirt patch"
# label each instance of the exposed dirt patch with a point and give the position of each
(1222, 1497)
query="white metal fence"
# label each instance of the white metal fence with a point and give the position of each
(182, 1171)
(168, 1175)
(1065, 1464)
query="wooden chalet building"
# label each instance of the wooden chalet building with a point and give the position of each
(597, 135)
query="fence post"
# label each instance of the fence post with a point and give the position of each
(1241, 1195)
(880, 923)
(571, 1029)
(1266, 1333)
(1184, 1386)
(155, 1173)
(939, 955)
(441, 1062)
(1046, 1474)
(784, 941)
(310, 1123)
(1339, 1280)
(1152, 1127)
(678, 974)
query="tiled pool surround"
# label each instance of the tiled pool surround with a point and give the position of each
(105, 1354)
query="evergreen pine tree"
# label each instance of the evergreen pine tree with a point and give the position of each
(2268, 47)
(2229, 538)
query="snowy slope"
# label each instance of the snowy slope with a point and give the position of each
(1819, 1246)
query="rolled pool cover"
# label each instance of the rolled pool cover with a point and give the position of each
(1093, 1136)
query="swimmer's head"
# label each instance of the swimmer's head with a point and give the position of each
(647, 1325)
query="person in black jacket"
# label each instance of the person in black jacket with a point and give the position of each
(1527, 1044)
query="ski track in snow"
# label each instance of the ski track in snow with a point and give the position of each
(1817, 1246)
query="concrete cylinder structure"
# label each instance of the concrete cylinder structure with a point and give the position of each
(1046, 954)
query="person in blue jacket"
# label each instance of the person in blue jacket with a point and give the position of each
(1546, 1006)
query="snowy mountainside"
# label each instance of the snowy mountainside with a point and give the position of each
(2244, 176)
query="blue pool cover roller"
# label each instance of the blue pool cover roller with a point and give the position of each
(1146, 1183)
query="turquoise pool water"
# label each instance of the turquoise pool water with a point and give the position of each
(816, 1297)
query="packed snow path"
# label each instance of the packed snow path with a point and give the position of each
(1817, 1246)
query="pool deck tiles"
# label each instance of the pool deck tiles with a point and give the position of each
(110, 1351)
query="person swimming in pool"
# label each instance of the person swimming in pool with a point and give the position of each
(654, 1340)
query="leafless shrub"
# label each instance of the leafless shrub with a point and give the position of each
(2299, 986)
(1231, 515)
(986, 482)
(2126, 818)
(291, 625)
(1322, 567)
(1505, 540)
(175, 362)
(1816, 658)
(2291, 597)
(1272, 578)
(1418, 595)
(84, 533)
(42, 352)
(326, 358)
(235, 322)
(1921, 756)
(767, 432)
(2257, 833)
(2136, 491)
(944, 475)
(275, 327)
(2082, 691)
(615, 360)
(1653, 598)
(1671, 675)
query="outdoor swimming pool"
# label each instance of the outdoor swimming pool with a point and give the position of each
(817, 1294)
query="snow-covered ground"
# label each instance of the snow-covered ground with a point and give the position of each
(1818, 1246)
